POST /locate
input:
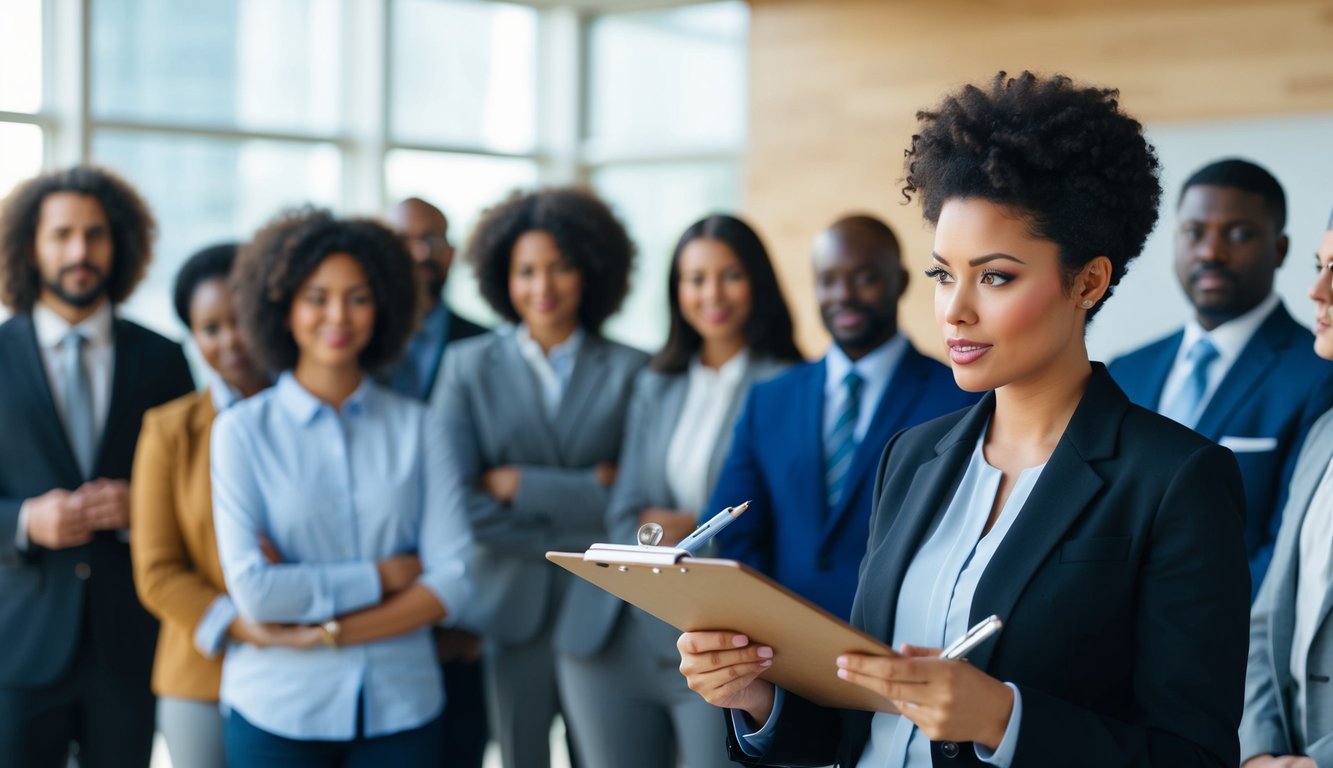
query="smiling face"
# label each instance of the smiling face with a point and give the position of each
(545, 287)
(713, 290)
(1001, 300)
(333, 314)
(73, 250)
(1227, 249)
(1322, 294)
(214, 328)
(857, 284)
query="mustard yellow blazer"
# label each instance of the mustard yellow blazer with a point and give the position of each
(175, 554)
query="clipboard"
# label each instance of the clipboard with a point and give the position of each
(706, 593)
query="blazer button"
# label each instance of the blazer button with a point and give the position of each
(83, 571)
(949, 749)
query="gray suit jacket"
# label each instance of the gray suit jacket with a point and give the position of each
(492, 411)
(1267, 726)
(658, 400)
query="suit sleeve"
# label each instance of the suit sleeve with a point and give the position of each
(1261, 730)
(1193, 586)
(805, 735)
(749, 539)
(164, 575)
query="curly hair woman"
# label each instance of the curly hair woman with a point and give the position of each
(1106, 537)
(534, 414)
(331, 509)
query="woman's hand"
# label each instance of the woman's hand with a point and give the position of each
(1279, 761)
(605, 473)
(947, 700)
(676, 523)
(723, 668)
(266, 635)
(502, 483)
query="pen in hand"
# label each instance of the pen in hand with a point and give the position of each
(709, 529)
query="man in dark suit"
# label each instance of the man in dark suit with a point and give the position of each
(77, 646)
(426, 231)
(1241, 372)
(806, 444)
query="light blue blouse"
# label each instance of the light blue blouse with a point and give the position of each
(335, 491)
(935, 605)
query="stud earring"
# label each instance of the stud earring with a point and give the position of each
(1087, 304)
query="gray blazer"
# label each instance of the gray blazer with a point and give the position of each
(491, 409)
(1267, 725)
(641, 482)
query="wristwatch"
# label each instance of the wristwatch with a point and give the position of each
(332, 629)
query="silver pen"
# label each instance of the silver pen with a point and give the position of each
(975, 636)
(708, 530)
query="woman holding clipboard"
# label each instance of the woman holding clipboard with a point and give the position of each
(1108, 538)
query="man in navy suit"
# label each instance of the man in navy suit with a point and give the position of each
(425, 228)
(1241, 372)
(807, 442)
(76, 647)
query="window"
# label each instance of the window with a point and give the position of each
(21, 53)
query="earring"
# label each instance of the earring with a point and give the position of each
(1087, 304)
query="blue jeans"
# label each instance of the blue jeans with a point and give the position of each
(248, 746)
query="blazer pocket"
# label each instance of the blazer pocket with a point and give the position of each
(1248, 444)
(1096, 549)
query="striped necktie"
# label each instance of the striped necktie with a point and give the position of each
(840, 443)
(1185, 407)
(78, 397)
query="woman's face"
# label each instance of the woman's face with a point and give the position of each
(1322, 293)
(333, 314)
(544, 286)
(1000, 299)
(213, 326)
(714, 290)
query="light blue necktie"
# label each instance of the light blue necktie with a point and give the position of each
(78, 396)
(1188, 402)
(840, 444)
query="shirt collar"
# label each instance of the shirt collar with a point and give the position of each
(875, 367)
(1232, 336)
(565, 350)
(51, 328)
(223, 394)
(731, 371)
(300, 403)
(436, 322)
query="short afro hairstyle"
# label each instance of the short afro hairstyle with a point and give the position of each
(211, 263)
(285, 252)
(584, 229)
(1247, 177)
(132, 232)
(1063, 156)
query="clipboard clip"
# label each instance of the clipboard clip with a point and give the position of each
(633, 554)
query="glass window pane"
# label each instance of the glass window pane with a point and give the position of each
(464, 73)
(246, 64)
(21, 56)
(657, 202)
(205, 190)
(462, 186)
(669, 78)
(22, 155)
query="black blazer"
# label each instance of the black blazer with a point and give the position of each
(1123, 585)
(42, 597)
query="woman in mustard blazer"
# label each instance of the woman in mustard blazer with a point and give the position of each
(176, 568)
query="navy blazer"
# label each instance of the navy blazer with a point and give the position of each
(1262, 411)
(777, 461)
(1122, 585)
(42, 596)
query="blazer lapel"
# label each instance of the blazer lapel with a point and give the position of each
(1067, 485)
(664, 419)
(1282, 622)
(1253, 365)
(126, 362)
(808, 422)
(932, 489)
(34, 389)
(585, 381)
(512, 371)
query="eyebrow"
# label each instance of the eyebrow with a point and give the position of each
(978, 261)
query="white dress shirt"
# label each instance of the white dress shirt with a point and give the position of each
(1229, 339)
(1313, 577)
(707, 402)
(875, 370)
(552, 369)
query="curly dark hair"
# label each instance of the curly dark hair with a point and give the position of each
(1246, 176)
(584, 229)
(768, 330)
(1063, 155)
(132, 232)
(211, 263)
(285, 252)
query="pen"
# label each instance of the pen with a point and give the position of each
(708, 530)
(974, 637)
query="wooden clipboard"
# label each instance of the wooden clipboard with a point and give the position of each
(703, 593)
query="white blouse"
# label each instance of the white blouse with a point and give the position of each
(707, 403)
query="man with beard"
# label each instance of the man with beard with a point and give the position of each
(807, 443)
(77, 646)
(425, 229)
(1242, 372)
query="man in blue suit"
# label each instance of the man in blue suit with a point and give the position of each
(807, 442)
(1242, 372)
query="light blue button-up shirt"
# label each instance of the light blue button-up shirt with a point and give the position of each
(934, 609)
(335, 491)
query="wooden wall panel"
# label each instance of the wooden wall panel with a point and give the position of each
(835, 85)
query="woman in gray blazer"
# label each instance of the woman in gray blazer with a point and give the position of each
(1288, 720)
(617, 665)
(534, 413)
